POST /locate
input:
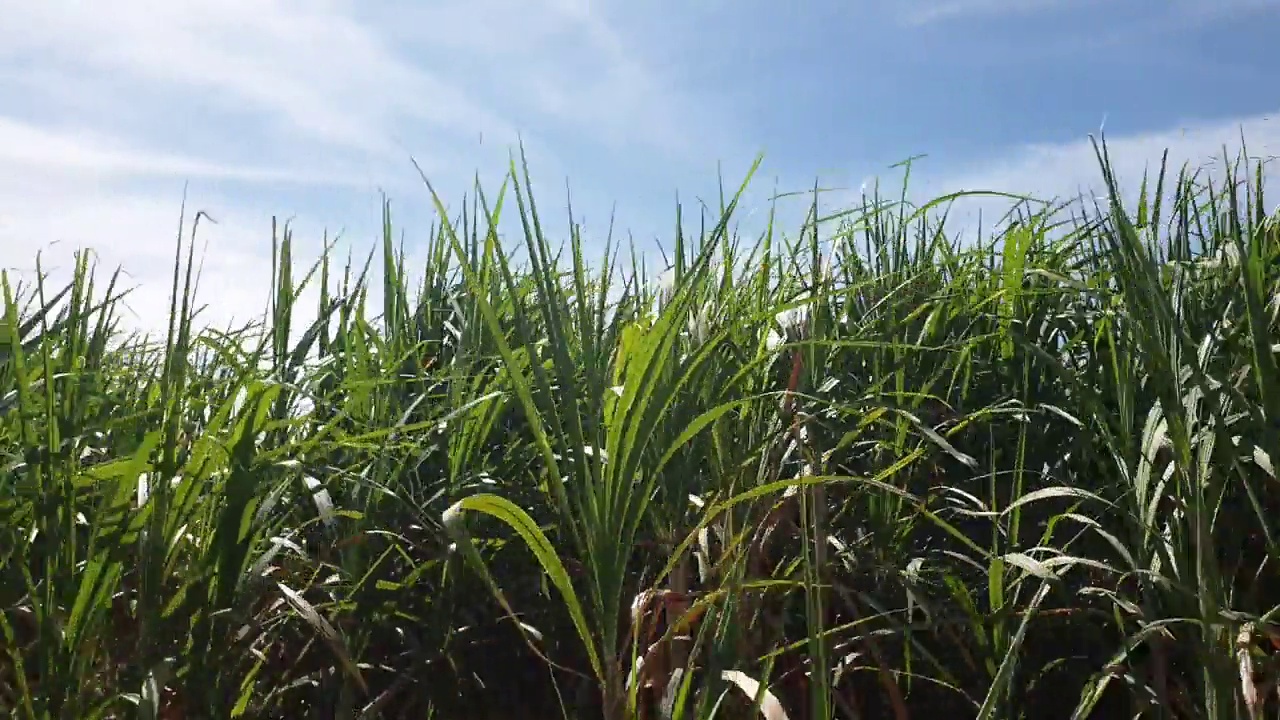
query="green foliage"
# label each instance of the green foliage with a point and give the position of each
(866, 471)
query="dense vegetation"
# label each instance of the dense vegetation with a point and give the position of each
(866, 471)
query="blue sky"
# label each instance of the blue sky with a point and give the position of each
(309, 108)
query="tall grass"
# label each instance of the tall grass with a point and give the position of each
(865, 470)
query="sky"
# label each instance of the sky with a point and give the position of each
(309, 110)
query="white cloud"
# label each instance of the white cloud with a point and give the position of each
(271, 105)
(921, 12)
(135, 227)
(26, 148)
(596, 81)
(1173, 13)
(1070, 171)
(278, 105)
(1064, 172)
(309, 65)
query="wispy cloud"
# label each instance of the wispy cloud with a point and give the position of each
(564, 61)
(62, 193)
(921, 12)
(274, 106)
(1063, 172)
(308, 66)
(1166, 14)
(28, 149)
(312, 107)
(1064, 169)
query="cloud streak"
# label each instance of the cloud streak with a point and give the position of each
(27, 149)
(279, 105)
(923, 12)
(1166, 15)
(312, 107)
(308, 66)
(1063, 170)
(1066, 172)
